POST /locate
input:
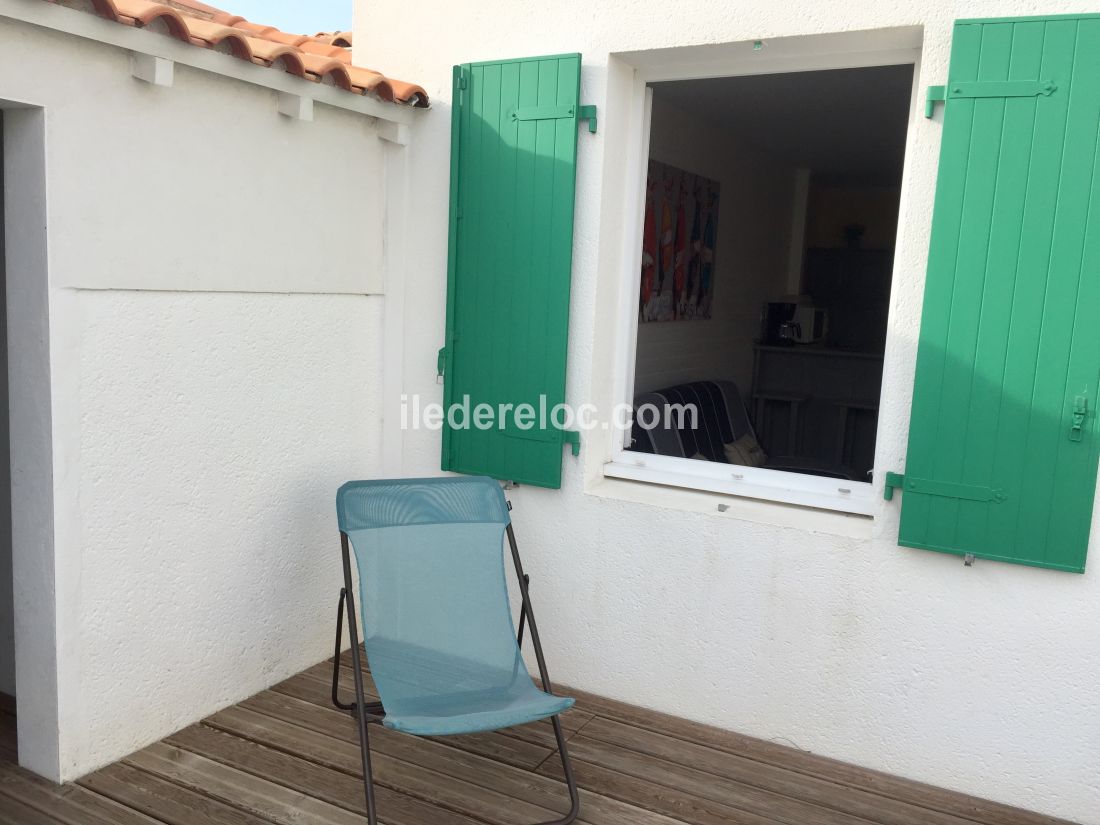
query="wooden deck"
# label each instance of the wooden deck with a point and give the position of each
(286, 756)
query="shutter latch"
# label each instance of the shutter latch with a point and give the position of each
(894, 481)
(1077, 421)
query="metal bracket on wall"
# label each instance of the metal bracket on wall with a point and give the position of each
(894, 481)
(572, 438)
(936, 94)
(588, 113)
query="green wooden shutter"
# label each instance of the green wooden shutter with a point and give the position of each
(513, 179)
(1002, 451)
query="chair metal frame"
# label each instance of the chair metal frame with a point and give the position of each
(374, 712)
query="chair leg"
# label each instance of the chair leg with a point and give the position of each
(337, 655)
(360, 709)
(570, 780)
(527, 612)
(523, 613)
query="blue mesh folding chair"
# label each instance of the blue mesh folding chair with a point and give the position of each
(437, 624)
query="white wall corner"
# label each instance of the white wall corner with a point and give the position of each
(30, 383)
(298, 107)
(159, 71)
(394, 132)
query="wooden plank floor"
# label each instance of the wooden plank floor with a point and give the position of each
(287, 756)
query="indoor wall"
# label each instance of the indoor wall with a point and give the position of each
(834, 206)
(751, 254)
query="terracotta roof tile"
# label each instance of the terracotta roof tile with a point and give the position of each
(335, 38)
(267, 53)
(324, 57)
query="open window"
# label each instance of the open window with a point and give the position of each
(767, 245)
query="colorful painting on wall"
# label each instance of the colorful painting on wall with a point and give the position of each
(681, 220)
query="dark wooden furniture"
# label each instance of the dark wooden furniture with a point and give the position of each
(819, 402)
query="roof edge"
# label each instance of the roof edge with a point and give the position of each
(55, 17)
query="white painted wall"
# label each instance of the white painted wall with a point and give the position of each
(809, 629)
(31, 418)
(7, 606)
(752, 248)
(214, 365)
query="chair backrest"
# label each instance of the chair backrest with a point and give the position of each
(721, 419)
(432, 587)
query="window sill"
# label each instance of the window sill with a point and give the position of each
(734, 507)
(803, 490)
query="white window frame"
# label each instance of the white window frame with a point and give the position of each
(798, 54)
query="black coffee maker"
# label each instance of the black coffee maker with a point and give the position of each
(777, 324)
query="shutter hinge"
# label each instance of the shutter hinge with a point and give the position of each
(461, 82)
(542, 112)
(588, 113)
(986, 88)
(1077, 421)
(441, 363)
(572, 438)
(950, 489)
(894, 481)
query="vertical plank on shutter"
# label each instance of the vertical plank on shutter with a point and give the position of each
(955, 154)
(987, 402)
(963, 377)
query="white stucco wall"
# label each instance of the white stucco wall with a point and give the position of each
(7, 605)
(215, 372)
(822, 633)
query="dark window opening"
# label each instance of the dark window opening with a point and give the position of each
(768, 246)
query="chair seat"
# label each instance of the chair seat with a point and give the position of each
(475, 712)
